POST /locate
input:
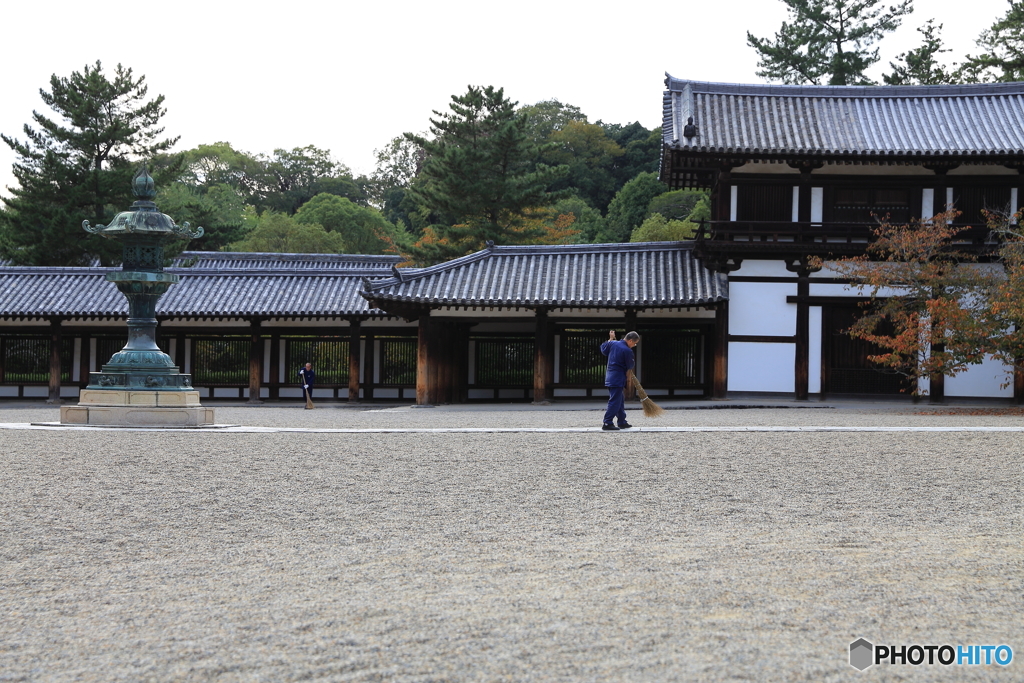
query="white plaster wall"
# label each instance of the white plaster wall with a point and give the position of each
(761, 367)
(758, 268)
(760, 308)
(982, 380)
(814, 350)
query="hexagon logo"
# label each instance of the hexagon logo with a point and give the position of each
(861, 654)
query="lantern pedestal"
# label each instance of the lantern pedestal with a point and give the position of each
(127, 408)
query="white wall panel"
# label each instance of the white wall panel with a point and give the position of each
(760, 308)
(761, 367)
(817, 203)
(814, 350)
(982, 380)
(758, 268)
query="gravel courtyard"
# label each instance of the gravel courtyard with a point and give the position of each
(572, 556)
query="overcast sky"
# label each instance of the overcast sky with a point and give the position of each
(350, 76)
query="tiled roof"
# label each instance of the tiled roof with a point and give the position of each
(231, 261)
(947, 121)
(245, 285)
(645, 275)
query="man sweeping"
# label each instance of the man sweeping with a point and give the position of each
(620, 362)
(308, 377)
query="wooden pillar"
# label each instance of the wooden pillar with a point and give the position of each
(803, 341)
(543, 361)
(937, 382)
(422, 361)
(720, 373)
(55, 344)
(355, 326)
(3, 356)
(255, 361)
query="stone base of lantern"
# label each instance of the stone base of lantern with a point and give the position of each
(125, 408)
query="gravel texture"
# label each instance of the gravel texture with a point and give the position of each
(166, 556)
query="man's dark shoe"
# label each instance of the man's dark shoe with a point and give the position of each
(609, 427)
(625, 425)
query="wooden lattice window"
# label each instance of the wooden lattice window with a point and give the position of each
(398, 361)
(504, 362)
(329, 356)
(221, 361)
(27, 359)
(581, 359)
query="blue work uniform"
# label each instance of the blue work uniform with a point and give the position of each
(307, 377)
(620, 362)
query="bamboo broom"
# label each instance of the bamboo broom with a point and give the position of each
(651, 409)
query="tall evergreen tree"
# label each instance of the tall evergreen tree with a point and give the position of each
(79, 166)
(1002, 45)
(480, 177)
(827, 41)
(920, 66)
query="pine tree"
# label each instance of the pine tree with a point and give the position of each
(920, 66)
(480, 178)
(827, 41)
(1002, 45)
(79, 167)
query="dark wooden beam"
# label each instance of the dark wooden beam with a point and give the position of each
(353, 359)
(720, 371)
(803, 340)
(937, 381)
(55, 344)
(255, 361)
(423, 396)
(543, 362)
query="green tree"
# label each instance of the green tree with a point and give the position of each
(629, 207)
(920, 66)
(398, 164)
(219, 208)
(827, 41)
(589, 155)
(641, 152)
(279, 233)
(79, 166)
(587, 219)
(287, 179)
(657, 228)
(480, 176)
(676, 204)
(1002, 46)
(363, 229)
(548, 117)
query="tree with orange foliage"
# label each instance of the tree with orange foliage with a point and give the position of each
(934, 297)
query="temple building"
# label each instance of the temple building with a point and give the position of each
(800, 171)
(793, 172)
